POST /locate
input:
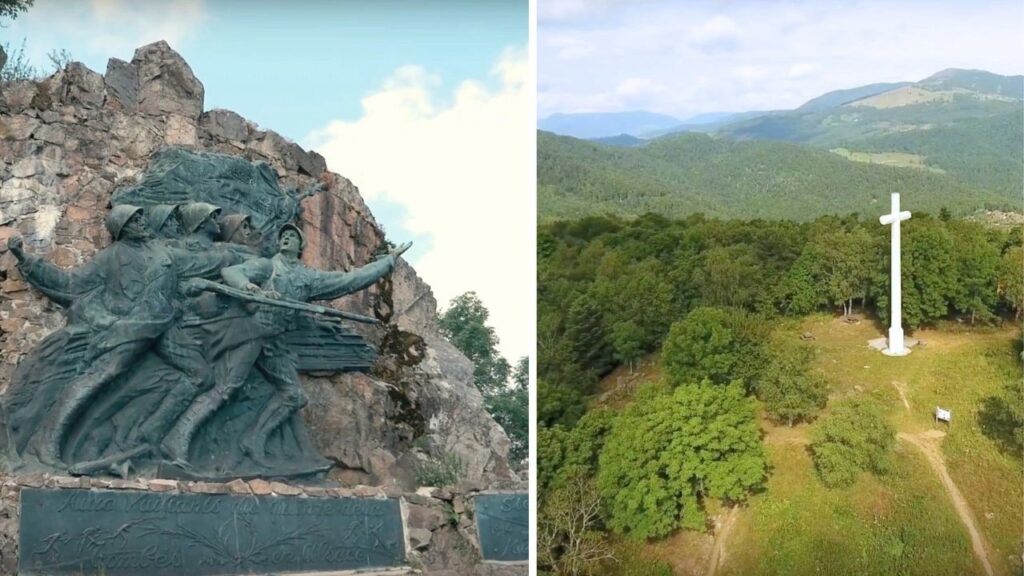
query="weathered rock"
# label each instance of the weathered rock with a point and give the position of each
(283, 489)
(162, 485)
(225, 124)
(426, 517)
(80, 86)
(238, 486)
(122, 81)
(166, 82)
(419, 538)
(260, 487)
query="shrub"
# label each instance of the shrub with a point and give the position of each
(853, 438)
(444, 471)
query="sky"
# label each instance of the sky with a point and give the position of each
(424, 105)
(700, 56)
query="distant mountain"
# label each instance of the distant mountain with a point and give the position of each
(602, 125)
(978, 81)
(688, 173)
(840, 97)
(704, 123)
(966, 123)
(624, 140)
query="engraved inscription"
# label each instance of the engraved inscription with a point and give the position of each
(104, 532)
(502, 522)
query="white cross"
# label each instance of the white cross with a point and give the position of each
(894, 218)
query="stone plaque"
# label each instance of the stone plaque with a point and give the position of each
(126, 532)
(502, 521)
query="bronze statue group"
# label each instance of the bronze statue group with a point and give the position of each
(176, 349)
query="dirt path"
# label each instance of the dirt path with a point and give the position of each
(721, 533)
(902, 389)
(928, 444)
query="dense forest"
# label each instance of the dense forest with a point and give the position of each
(705, 294)
(683, 174)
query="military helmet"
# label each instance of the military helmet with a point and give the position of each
(290, 226)
(156, 216)
(230, 224)
(193, 214)
(118, 217)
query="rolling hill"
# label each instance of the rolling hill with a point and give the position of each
(604, 125)
(689, 173)
(967, 123)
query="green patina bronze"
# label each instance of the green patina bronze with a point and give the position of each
(179, 356)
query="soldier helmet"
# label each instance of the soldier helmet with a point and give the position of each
(118, 217)
(156, 216)
(230, 224)
(192, 215)
(290, 226)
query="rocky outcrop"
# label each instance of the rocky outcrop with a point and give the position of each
(67, 142)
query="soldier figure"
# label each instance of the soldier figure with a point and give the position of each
(282, 276)
(124, 296)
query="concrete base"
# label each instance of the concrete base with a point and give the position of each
(902, 352)
(882, 345)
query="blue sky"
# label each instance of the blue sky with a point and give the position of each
(388, 73)
(699, 56)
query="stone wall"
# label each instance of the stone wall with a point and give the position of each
(67, 142)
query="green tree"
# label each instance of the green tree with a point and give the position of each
(1011, 279)
(672, 449)
(464, 324)
(557, 404)
(627, 339)
(11, 8)
(510, 408)
(977, 269)
(587, 335)
(731, 276)
(929, 273)
(565, 452)
(854, 437)
(716, 344)
(790, 391)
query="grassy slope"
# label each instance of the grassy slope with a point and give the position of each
(798, 523)
(901, 523)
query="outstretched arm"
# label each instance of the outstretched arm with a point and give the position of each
(331, 285)
(58, 284)
(248, 275)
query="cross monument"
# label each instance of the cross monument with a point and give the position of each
(894, 218)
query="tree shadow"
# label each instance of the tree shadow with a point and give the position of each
(997, 421)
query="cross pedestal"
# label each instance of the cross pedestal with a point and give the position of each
(896, 347)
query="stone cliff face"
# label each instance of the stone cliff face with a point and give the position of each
(69, 141)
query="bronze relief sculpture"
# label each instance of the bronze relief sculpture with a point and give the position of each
(183, 344)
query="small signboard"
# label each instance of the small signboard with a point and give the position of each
(943, 415)
(502, 522)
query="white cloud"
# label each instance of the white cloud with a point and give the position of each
(102, 28)
(750, 73)
(801, 70)
(717, 29)
(710, 55)
(461, 171)
(633, 87)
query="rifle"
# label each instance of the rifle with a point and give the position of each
(282, 302)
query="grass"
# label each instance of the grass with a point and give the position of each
(957, 371)
(902, 523)
(898, 159)
(897, 524)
